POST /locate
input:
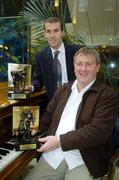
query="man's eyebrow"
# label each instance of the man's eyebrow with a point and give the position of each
(56, 29)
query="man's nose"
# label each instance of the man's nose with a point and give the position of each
(52, 33)
(83, 67)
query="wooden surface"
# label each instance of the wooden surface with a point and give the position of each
(6, 105)
(17, 165)
(4, 102)
(3, 94)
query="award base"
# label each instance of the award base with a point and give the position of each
(18, 95)
(21, 145)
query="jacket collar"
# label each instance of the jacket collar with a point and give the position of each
(95, 86)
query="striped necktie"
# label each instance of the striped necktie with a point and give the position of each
(58, 69)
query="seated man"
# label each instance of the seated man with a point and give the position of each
(79, 121)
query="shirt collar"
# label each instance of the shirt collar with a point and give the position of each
(61, 48)
(74, 86)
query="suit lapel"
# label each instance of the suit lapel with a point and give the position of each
(49, 64)
(67, 56)
(48, 59)
(69, 62)
(48, 55)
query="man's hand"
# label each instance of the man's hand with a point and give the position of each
(29, 88)
(34, 132)
(50, 143)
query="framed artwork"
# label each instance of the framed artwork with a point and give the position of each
(13, 44)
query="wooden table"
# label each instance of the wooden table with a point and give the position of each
(6, 105)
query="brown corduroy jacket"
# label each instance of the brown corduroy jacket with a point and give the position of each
(94, 124)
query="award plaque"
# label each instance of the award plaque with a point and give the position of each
(25, 121)
(19, 79)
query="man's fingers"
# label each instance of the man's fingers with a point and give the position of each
(43, 139)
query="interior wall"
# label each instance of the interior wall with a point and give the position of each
(96, 20)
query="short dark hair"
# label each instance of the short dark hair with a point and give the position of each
(54, 20)
(88, 50)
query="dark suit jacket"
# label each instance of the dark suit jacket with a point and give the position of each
(95, 120)
(43, 70)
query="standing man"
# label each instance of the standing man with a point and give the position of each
(43, 74)
(79, 121)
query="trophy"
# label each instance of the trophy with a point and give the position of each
(25, 121)
(19, 78)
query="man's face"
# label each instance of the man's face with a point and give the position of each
(54, 34)
(86, 69)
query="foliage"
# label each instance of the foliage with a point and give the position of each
(109, 72)
(34, 14)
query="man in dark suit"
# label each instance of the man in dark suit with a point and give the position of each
(43, 74)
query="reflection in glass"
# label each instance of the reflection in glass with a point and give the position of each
(13, 44)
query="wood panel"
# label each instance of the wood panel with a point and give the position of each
(38, 98)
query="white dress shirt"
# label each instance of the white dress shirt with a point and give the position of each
(66, 124)
(62, 59)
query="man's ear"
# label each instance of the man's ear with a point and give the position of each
(63, 33)
(98, 67)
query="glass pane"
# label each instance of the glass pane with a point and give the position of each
(96, 21)
(13, 45)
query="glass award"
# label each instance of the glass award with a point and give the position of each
(25, 123)
(19, 79)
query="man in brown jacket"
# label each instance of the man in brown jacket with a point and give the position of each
(79, 122)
